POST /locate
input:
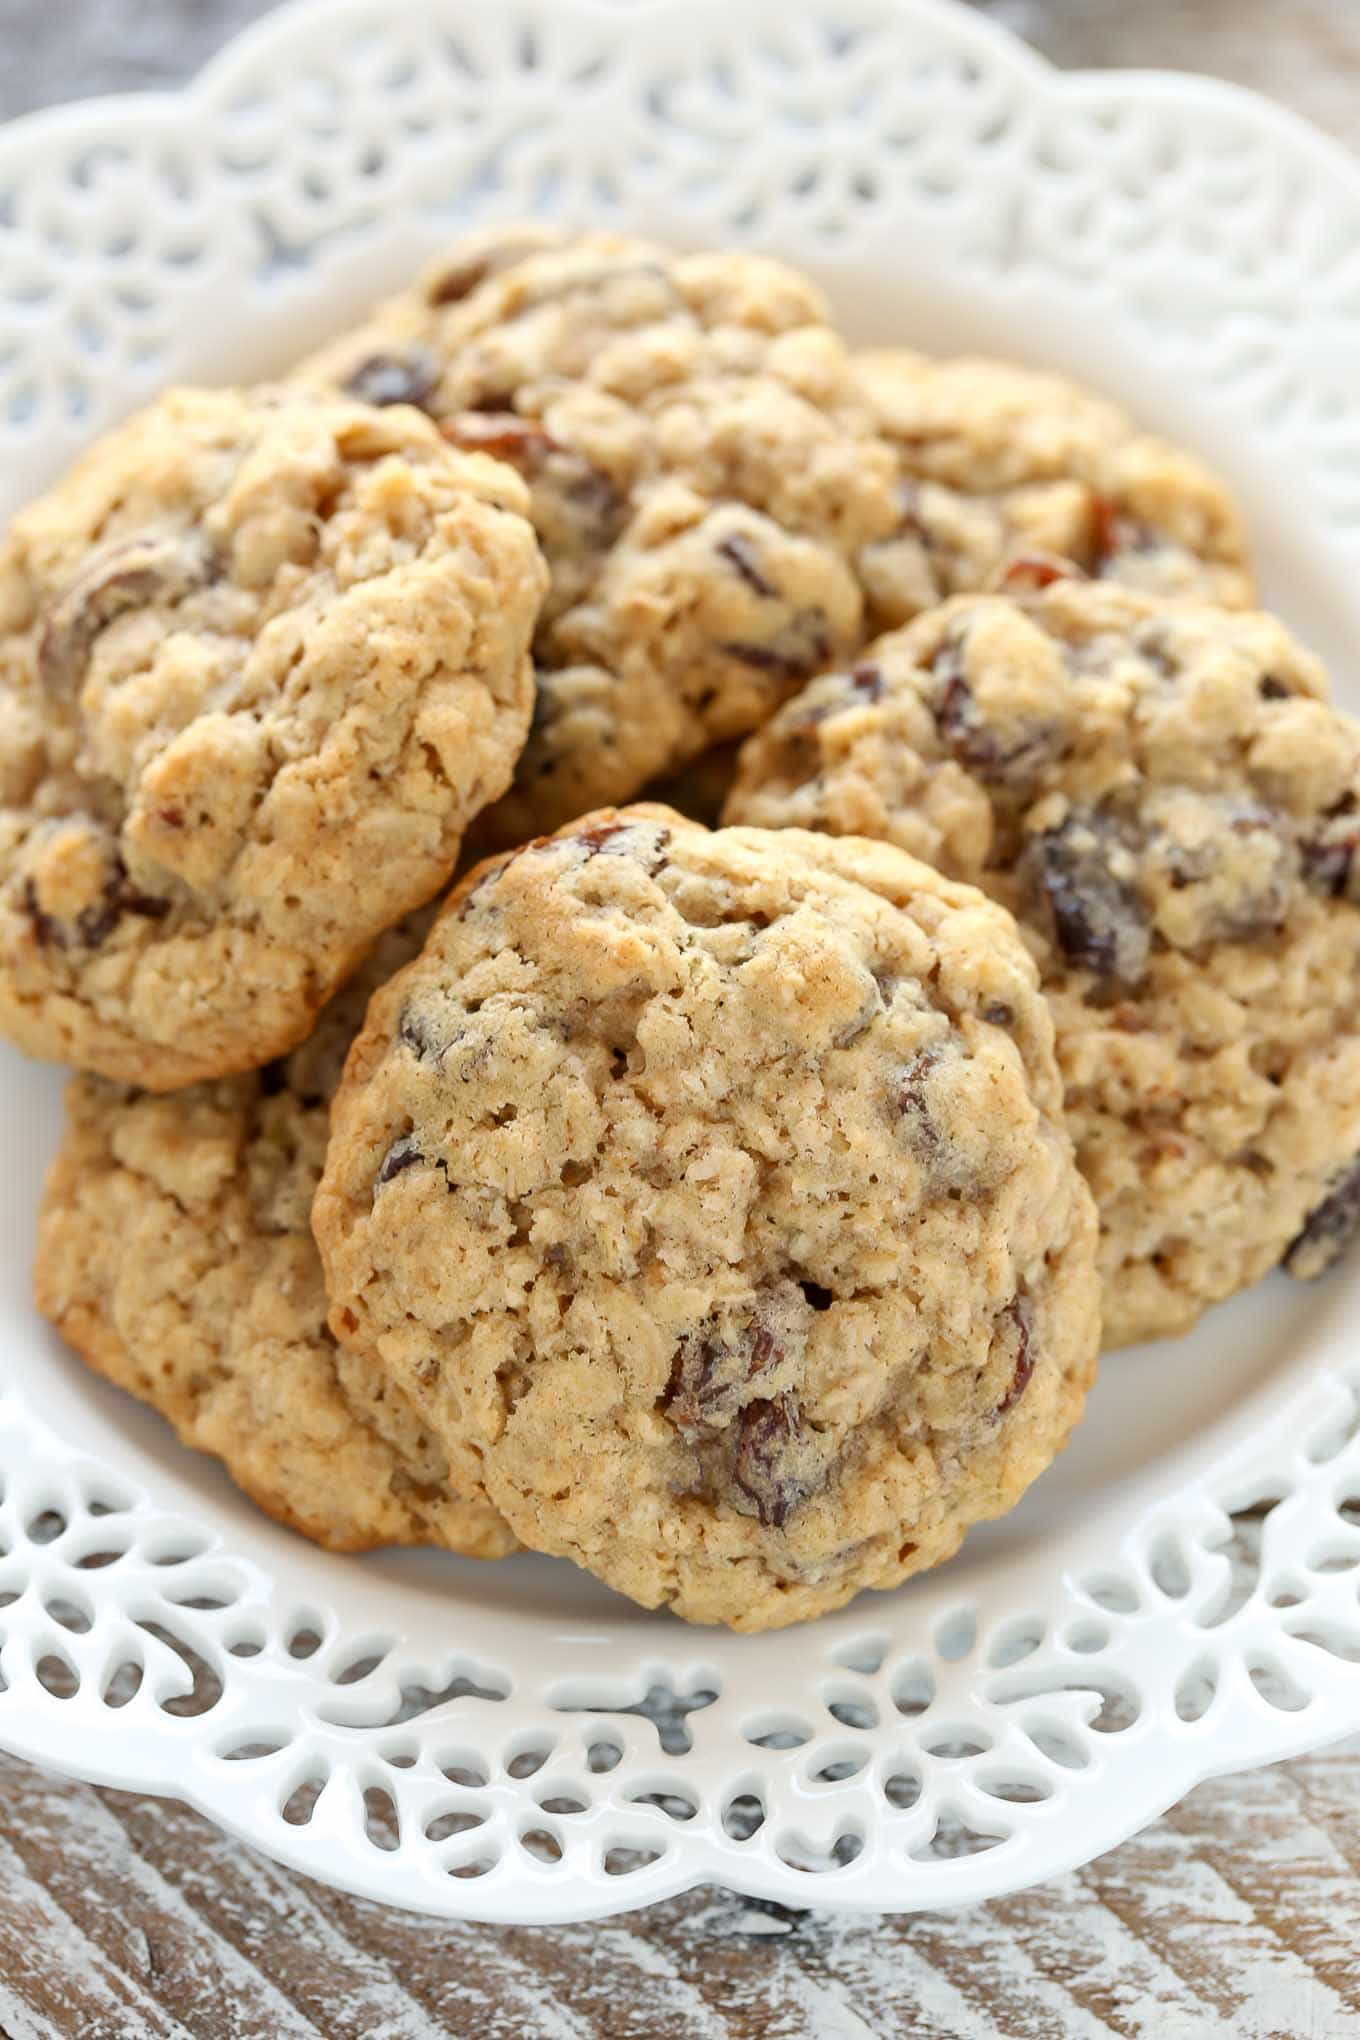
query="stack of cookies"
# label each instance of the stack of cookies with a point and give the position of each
(734, 1209)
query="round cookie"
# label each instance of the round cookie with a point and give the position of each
(263, 655)
(998, 462)
(175, 1255)
(711, 1189)
(703, 475)
(1164, 798)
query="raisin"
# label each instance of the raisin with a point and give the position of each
(909, 1096)
(693, 1384)
(644, 844)
(741, 553)
(126, 574)
(1328, 861)
(458, 282)
(594, 839)
(796, 727)
(409, 377)
(954, 711)
(595, 502)
(1149, 641)
(764, 1466)
(1329, 1230)
(94, 924)
(711, 1369)
(46, 928)
(1117, 537)
(1030, 572)
(1113, 534)
(1097, 916)
(413, 1032)
(1016, 1325)
(130, 900)
(766, 660)
(866, 681)
(793, 653)
(1271, 689)
(984, 749)
(503, 434)
(403, 1154)
(121, 897)
(577, 505)
(461, 278)
(862, 1022)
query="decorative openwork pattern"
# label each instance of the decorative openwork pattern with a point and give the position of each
(980, 1729)
(875, 1760)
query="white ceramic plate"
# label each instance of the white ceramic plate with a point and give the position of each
(513, 1742)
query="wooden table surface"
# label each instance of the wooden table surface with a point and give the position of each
(1237, 1916)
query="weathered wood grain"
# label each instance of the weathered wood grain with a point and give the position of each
(1306, 52)
(1235, 1918)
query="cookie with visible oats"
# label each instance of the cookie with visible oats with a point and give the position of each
(1163, 796)
(998, 462)
(703, 476)
(175, 1255)
(263, 655)
(710, 1190)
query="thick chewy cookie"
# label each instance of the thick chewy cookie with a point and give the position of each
(703, 477)
(1000, 462)
(175, 1255)
(1162, 795)
(262, 657)
(711, 1189)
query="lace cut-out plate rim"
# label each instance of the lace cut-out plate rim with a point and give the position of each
(1031, 1705)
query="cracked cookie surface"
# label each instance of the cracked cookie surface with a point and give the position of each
(175, 1255)
(1162, 795)
(703, 475)
(263, 655)
(710, 1189)
(1002, 466)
